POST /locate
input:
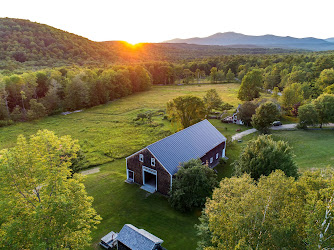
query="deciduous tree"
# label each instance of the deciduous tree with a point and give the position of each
(251, 85)
(291, 96)
(264, 155)
(278, 212)
(230, 76)
(42, 206)
(212, 100)
(308, 115)
(186, 110)
(324, 105)
(193, 183)
(246, 111)
(264, 116)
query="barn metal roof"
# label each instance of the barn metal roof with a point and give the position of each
(190, 143)
(137, 239)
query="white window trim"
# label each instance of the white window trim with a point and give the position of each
(141, 157)
(133, 174)
(217, 156)
(211, 160)
(153, 162)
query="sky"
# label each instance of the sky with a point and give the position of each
(137, 21)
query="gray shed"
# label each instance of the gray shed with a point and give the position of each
(137, 239)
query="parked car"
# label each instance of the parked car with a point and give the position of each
(277, 123)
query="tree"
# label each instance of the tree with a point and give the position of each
(186, 110)
(230, 76)
(277, 212)
(77, 93)
(42, 84)
(297, 76)
(214, 76)
(36, 111)
(324, 105)
(307, 115)
(291, 96)
(193, 183)
(246, 111)
(251, 85)
(319, 208)
(329, 89)
(20, 56)
(188, 76)
(17, 114)
(275, 93)
(212, 100)
(264, 116)
(52, 101)
(264, 155)
(326, 78)
(140, 79)
(42, 206)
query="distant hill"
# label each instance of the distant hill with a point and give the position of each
(25, 44)
(266, 41)
(331, 40)
(22, 40)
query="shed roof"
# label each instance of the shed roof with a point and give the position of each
(109, 237)
(137, 239)
(190, 143)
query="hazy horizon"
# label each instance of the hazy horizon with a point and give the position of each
(153, 21)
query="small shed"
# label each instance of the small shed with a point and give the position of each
(130, 237)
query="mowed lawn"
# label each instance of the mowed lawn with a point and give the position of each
(313, 148)
(107, 134)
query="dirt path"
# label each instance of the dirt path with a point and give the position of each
(292, 126)
(238, 136)
(90, 171)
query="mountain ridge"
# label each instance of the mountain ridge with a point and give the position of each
(267, 41)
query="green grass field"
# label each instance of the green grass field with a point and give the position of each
(313, 148)
(107, 134)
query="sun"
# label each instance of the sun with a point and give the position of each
(132, 45)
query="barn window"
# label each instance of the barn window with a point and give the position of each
(152, 162)
(141, 157)
(211, 159)
(217, 155)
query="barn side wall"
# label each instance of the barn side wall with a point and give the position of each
(212, 153)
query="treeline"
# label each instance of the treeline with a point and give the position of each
(277, 70)
(32, 95)
(293, 79)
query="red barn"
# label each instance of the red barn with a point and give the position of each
(153, 167)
